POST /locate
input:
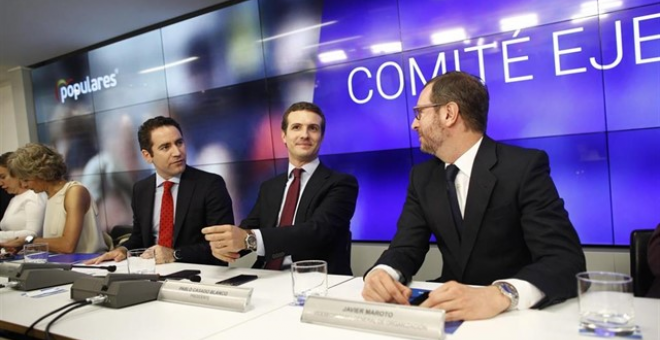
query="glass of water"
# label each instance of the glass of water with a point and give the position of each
(309, 278)
(606, 303)
(142, 261)
(35, 253)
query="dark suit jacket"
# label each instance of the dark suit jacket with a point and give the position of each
(202, 201)
(654, 263)
(321, 230)
(515, 224)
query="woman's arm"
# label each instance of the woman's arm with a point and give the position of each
(77, 201)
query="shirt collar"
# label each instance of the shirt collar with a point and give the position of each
(466, 161)
(160, 180)
(309, 167)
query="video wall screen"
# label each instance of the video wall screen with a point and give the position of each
(580, 80)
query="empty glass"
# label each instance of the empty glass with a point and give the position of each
(606, 303)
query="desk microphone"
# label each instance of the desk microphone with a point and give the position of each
(121, 290)
(111, 269)
(31, 276)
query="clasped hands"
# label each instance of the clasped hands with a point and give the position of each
(460, 302)
(226, 241)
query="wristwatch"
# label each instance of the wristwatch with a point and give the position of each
(177, 255)
(251, 241)
(509, 291)
(29, 239)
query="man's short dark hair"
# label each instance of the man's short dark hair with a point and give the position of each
(466, 90)
(144, 133)
(303, 106)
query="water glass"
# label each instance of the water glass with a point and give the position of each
(35, 253)
(309, 278)
(606, 303)
(142, 261)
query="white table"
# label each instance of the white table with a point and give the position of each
(155, 319)
(272, 316)
(559, 322)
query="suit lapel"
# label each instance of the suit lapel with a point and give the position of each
(482, 183)
(148, 196)
(313, 186)
(274, 197)
(184, 198)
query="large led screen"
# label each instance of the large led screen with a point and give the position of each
(579, 80)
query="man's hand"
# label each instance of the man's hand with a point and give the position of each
(462, 302)
(163, 254)
(379, 286)
(118, 254)
(226, 241)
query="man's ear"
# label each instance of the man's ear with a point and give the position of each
(146, 155)
(452, 113)
(283, 135)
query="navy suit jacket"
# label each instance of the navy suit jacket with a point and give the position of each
(321, 230)
(515, 224)
(202, 201)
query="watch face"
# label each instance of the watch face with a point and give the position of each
(29, 239)
(251, 242)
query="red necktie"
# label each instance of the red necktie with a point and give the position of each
(287, 213)
(166, 216)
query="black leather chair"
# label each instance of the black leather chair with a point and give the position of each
(639, 265)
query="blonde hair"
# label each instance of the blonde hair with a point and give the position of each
(37, 161)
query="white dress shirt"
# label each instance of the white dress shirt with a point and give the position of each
(309, 169)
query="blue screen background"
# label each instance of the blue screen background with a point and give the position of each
(580, 82)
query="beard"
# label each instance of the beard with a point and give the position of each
(430, 137)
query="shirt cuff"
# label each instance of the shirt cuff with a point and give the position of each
(261, 251)
(389, 270)
(528, 294)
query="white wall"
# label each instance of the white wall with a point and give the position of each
(8, 133)
(17, 119)
(364, 255)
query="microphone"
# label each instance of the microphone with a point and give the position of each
(111, 269)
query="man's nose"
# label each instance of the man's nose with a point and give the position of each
(415, 124)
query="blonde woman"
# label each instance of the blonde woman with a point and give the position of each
(71, 215)
(25, 213)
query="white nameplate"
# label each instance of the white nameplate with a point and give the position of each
(390, 319)
(225, 297)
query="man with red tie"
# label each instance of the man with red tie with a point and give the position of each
(302, 214)
(171, 207)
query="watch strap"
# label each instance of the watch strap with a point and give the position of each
(510, 292)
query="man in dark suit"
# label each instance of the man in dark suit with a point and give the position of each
(199, 199)
(499, 220)
(325, 205)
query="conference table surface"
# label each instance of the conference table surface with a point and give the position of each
(271, 314)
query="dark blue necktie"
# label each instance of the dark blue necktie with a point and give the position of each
(450, 173)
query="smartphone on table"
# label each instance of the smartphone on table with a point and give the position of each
(418, 296)
(237, 280)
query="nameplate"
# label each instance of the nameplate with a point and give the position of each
(223, 297)
(406, 321)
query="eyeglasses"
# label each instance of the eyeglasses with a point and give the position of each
(418, 109)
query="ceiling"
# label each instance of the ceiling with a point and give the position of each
(33, 31)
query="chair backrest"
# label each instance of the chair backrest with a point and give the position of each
(639, 265)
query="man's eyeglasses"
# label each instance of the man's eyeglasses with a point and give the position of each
(418, 109)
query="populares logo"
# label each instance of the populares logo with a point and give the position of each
(69, 89)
